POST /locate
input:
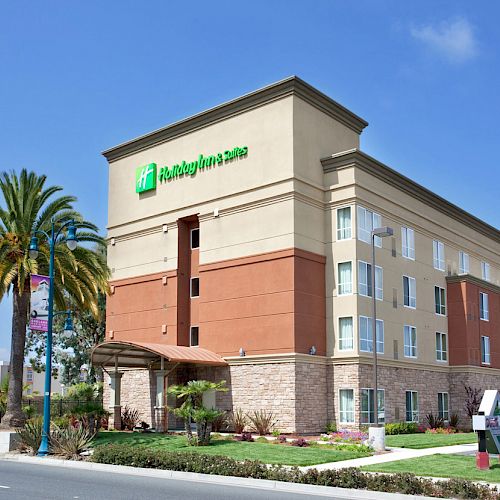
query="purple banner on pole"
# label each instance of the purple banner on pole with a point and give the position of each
(39, 309)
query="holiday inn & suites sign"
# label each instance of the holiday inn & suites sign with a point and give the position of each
(147, 176)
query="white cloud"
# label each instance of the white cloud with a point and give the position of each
(452, 39)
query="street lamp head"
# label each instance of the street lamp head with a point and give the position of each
(33, 248)
(71, 240)
(68, 325)
(382, 232)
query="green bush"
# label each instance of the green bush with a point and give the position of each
(401, 428)
(30, 435)
(70, 441)
(330, 427)
(408, 484)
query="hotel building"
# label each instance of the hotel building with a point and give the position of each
(239, 245)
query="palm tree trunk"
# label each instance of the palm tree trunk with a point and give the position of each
(14, 416)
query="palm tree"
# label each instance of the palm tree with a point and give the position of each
(79, 275)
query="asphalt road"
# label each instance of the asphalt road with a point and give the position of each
(21, 481)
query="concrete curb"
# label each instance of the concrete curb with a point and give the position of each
(326, 491)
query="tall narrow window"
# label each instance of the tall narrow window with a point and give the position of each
(344, 231)
(408, 243)
(366, 336)
(367, 221)
(438, 255)
(410, 334)
(463, 262)
(411, 406)
(484, 310)
(346, 406)
(485, 271)
(195, 238)
(440, 300)
(344, 278)
(441, 347)
(194, 336)
(485, 350)
(365, 280)
(195, 287)
(409, 292)
(368, 406)
(346, 338)
(443, 406)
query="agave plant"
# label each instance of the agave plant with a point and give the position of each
(30, 436)
(70, 441)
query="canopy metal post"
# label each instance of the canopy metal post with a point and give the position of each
(115, 397)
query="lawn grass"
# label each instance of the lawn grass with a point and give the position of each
(447, 466)
(264, 452)
(423, 440)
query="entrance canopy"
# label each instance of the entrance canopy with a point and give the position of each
(145, 355)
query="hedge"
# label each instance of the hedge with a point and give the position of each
(408, 484)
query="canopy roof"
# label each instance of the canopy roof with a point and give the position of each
(145, 355)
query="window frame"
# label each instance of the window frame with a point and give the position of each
(484, 313)
(485, 354)
(463, 258)
(340, 330)
(191, 231)
(414, 281)
(412, 409)
(350, 389)
(191, 336)
(440, 305)
(485, 271)
(405, 231)
(371, 412)
(409, 346)
(191, 287)
(378, 296)
(439, 349)
(444, 414)
(341, 230)
(436, 254)
(374, 215)
(368, 329)
(338, 278)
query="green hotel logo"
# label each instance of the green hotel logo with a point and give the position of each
(145, 178)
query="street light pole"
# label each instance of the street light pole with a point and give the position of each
(377, 433)
(71, 242)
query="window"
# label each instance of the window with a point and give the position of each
(485, 350)
(485, 271)
(443, 406)
(411, 406)
(366, 337)
(463, 263)
(441, 347)
(365, 280)
(29, 375)
(438, 255)
(410, 333)
(346, 406)
(29, 391)
(346, 338)
(344, 231)
(368, 406)
(440, 300)
(484, 312)
(410, 292)
(195, 287)
(345, 278)
(408, 243)
(367, 221)
(195, 238)
(194, 336)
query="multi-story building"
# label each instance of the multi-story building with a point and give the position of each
(33, 381)
(239, 245)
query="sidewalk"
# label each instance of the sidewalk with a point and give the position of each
(395, 454)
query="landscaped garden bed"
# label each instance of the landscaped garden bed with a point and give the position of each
(265, 451)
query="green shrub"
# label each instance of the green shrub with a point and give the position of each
(61, 421)
(30, 435)
(401, 428)
(331, 427)
(262, 439)
(408, 484)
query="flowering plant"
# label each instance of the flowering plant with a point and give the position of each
(347, 436)
(441, 430)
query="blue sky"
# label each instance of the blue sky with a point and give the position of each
(79, 77)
